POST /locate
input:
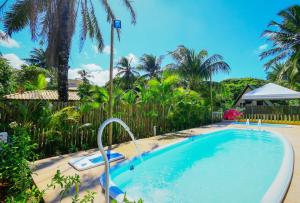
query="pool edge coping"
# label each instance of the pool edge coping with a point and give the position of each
(280, 185)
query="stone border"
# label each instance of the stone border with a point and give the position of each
(281, 183)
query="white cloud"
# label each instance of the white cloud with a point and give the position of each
(14, 60)
(99, 76)
(95, 48)
(91, 67)
(133, 58)
(106, 49)
(8, 42)
(263, 47)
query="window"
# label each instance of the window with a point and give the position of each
(260, 103)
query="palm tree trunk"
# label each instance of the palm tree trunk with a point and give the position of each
(62, 72)
(211, 98)
(66, 23)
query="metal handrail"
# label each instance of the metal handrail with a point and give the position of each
(101, 148)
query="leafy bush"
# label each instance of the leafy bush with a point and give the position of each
(31, 78)
(66, 183)
(16, 184)
(15, 172)
(125, 200)
(7, 81)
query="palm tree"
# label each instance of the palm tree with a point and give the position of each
(213, 65)
(151, 65)
(126, 71)
(54, 22)
(277, 72)
(37, 58)
(285, 36)
(198, 66)
(188, 64)
(85, 75)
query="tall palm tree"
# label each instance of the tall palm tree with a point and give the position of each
(151, 65)
(54, 22)
(126, 71)
(188, 64)
(198, 66)
(211, 66)
(37, 57)
(285, 36)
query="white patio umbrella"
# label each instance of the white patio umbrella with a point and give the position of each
(271, 91)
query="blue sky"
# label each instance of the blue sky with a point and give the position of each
(231, 28)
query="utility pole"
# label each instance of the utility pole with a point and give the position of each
(115, 24)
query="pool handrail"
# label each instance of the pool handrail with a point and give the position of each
(101, 148)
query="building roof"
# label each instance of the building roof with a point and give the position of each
(271, 91)
(41, 95)
(251, 87)
(74, 83)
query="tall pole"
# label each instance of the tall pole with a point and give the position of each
(110, 127)
(211, 98)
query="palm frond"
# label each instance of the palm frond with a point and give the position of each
(109, 11)
(220, 66)
(2, 7)
(84, 27)
(212, 59)
(131, 10)
(96, 28)
(273, 51)
(276, 59)
(17, 17)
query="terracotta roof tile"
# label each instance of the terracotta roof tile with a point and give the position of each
(41, 95)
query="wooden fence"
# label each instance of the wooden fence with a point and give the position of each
(276, 113)
(83, 135)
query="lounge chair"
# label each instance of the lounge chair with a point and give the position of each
(87, 162)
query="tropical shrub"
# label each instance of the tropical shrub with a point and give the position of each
(232, 114)
(15, 173)
(125, 200)
(7, 80)
(16, 184)
(61, 124)
(67, 183)
(31, 78)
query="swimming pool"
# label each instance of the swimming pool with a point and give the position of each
(225, 166)
(264, 124)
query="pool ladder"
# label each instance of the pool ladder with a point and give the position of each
(101, 148)
(259, 124)
(247, 122)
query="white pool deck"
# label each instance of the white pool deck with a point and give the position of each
(46, 168)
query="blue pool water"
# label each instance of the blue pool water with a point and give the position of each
(263, 124)
(226, 166)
